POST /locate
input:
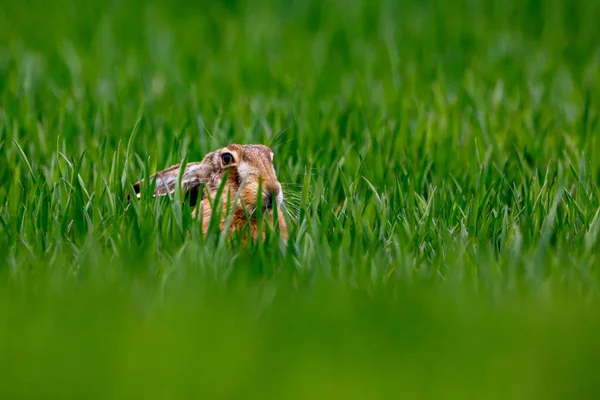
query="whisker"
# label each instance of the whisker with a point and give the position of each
(296, 196)
(292, 214)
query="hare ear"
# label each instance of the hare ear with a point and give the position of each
(195, 175)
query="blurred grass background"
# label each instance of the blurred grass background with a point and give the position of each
(441, 159)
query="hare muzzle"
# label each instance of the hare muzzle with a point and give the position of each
(272, 195)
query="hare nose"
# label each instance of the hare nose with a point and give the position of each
(270, 194)
(269, 200)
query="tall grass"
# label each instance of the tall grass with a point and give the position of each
(441, 165)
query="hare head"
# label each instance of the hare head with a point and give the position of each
(242, 170)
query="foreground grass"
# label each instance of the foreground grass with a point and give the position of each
(441, 163)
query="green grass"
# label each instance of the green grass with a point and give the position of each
(441, 161)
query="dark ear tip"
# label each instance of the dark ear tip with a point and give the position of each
(136, 189)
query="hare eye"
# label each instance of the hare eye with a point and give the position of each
(227, 158)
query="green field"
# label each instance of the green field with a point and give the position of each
(441, 163)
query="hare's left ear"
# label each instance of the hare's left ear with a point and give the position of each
(195, 175)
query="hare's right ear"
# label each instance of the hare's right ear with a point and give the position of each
(195, 176)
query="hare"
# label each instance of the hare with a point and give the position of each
(247, 167)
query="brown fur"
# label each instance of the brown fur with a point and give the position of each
(252, 166)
